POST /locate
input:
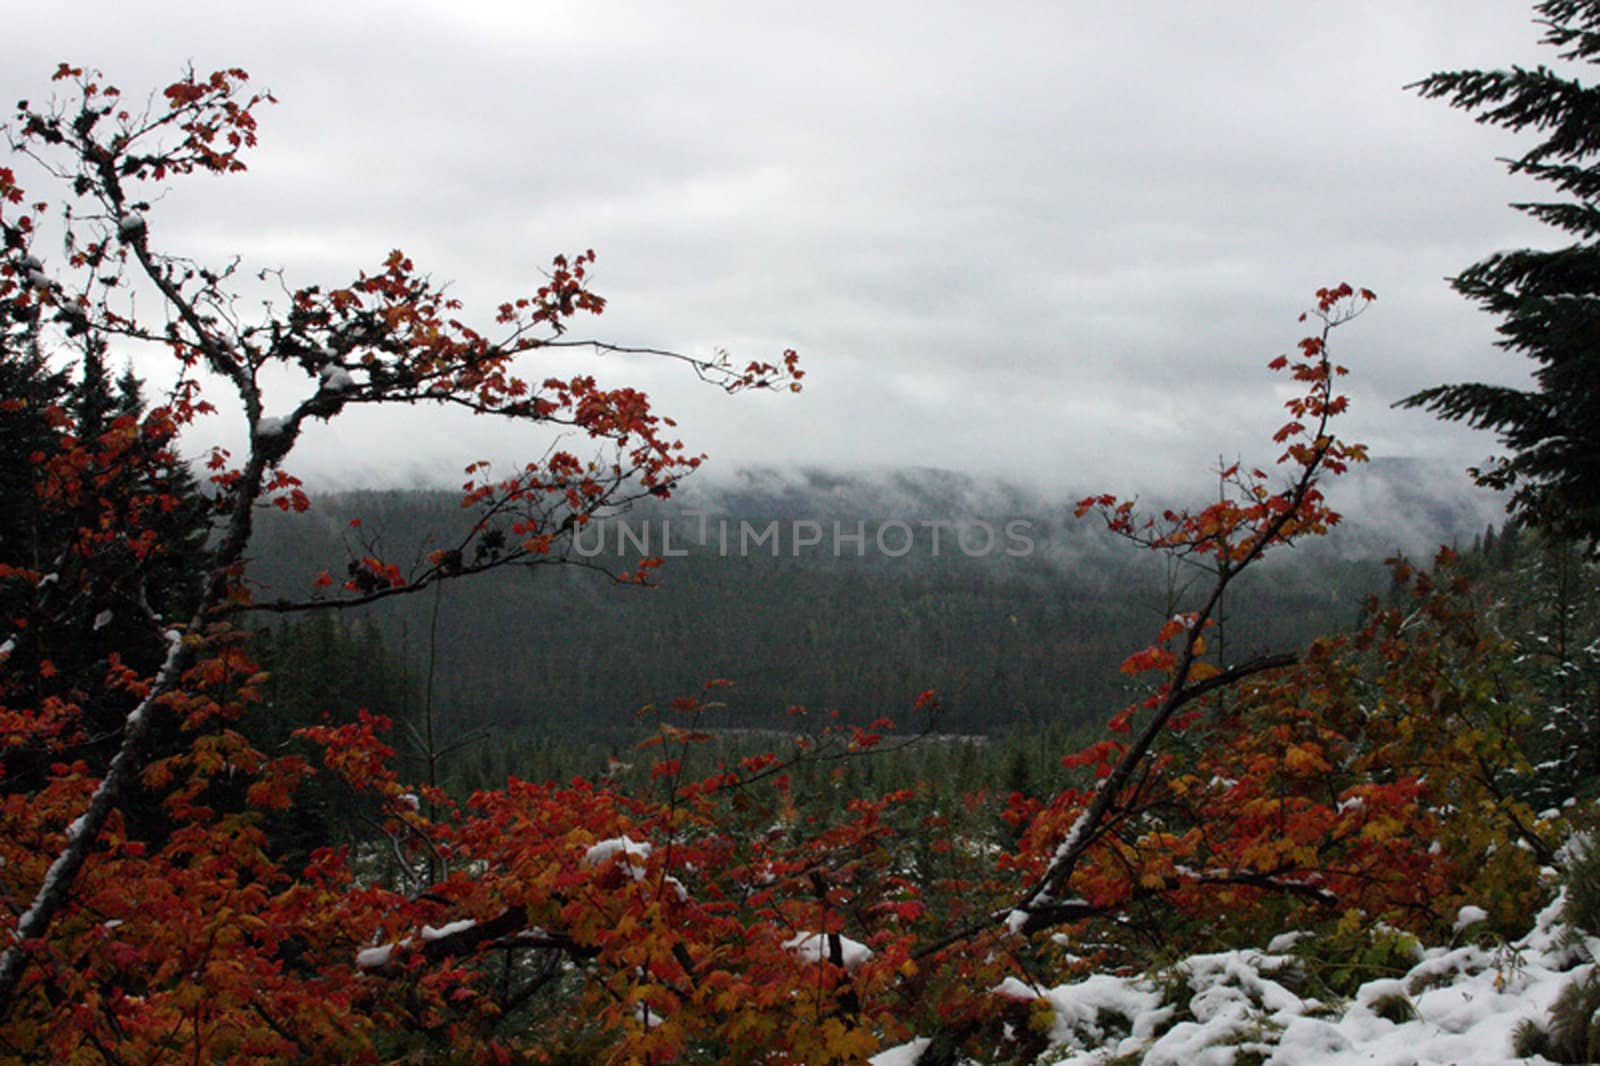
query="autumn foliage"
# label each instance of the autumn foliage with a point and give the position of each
(715, 915)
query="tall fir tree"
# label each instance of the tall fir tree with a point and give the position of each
(29, 388)
(1549, 301)
(64, 629)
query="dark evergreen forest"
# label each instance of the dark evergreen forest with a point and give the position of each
(1019, 642)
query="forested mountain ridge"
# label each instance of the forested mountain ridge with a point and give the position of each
(827, 589)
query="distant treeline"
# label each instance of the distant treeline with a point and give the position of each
(1009, 641)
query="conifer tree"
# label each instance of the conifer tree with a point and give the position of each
(1548, 300)
(92, 612)
(28, 387)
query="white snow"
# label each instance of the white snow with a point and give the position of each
(1455, 1005)
(904, 1055)
(815, 947)
(103, 619)
(374, 958)
(335, 378)
(131, 226)
(270, 426)
(1012, 988)
(635, 852)
(448, 929)
(174, 646)
(1469, 915)
(34, 271)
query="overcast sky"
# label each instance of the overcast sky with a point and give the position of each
(1057, 241)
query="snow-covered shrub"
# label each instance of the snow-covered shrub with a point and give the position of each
(1581, 874)
(1338, 963)
(1572, 1032)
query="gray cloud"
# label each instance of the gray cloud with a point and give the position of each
(1058, 241)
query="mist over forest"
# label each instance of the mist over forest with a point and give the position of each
(1015, 632)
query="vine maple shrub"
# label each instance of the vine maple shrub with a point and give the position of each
(1374, 775)
(389, 337)
(718, 914)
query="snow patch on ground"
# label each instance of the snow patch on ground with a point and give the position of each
(1456, 1005)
